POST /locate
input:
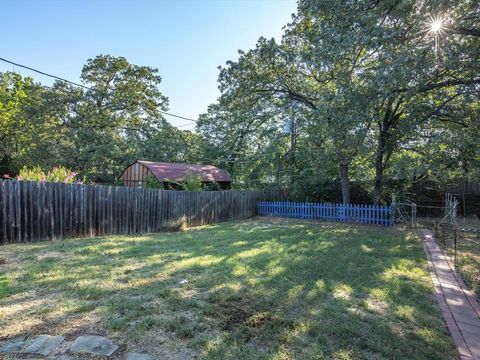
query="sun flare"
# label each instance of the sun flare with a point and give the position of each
(436, 25)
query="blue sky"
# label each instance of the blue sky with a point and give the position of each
(185, 39)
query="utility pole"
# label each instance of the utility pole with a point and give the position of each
(293, 143)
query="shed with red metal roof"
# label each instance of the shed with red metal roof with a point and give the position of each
(170, 174)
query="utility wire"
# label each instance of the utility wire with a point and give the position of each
(180, 126)
(178, 116)
(44, 73)
(83, 86)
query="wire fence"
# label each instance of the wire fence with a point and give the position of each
(459, 240)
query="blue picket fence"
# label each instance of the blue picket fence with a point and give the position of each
(363, 214)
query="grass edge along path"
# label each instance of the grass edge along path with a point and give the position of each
(460, 308)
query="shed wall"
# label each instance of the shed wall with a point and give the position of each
(134, 176)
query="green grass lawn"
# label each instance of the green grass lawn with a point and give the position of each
(256, 289)
(469, 260)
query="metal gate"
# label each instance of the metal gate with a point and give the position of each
(405, 213)
(447, 231)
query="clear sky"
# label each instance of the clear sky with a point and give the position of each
(185, 39)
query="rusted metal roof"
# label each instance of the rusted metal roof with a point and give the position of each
(177, 171)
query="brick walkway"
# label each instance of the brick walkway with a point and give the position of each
(459, 306)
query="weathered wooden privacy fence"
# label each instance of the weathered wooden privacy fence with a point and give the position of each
(364, 214)
(31, 211)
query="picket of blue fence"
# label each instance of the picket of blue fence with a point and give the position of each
(363, 214)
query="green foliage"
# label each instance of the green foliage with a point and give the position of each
(192, 183)
(373, 102)
(17, 131)
(374, 105)
(98, 132)
(213, 186)
(151, 182)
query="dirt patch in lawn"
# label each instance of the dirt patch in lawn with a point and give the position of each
(238, 311)
(233, 311)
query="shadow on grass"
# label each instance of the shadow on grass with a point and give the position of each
(3, 286)
(255, 290)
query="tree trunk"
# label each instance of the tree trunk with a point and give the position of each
(383, 150)
(379, 166)
(345, 181)
(378, 183)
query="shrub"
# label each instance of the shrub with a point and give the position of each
(193, 183)
(151, 182)
(57, 174)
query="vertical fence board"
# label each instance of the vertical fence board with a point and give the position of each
(34, 211)
(364, 214)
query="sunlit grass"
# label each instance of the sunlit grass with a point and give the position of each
(3, 285)
(469, 260)
(241, 290)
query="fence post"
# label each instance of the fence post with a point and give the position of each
(414, 215)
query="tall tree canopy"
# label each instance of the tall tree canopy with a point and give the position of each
(377, 95)
(97, 130)
(359, 100)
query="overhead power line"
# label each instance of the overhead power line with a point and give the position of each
(44, 73)
(178, 116)
(184, 125)
(82, 86)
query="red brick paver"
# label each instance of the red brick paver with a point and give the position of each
(459, 306)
